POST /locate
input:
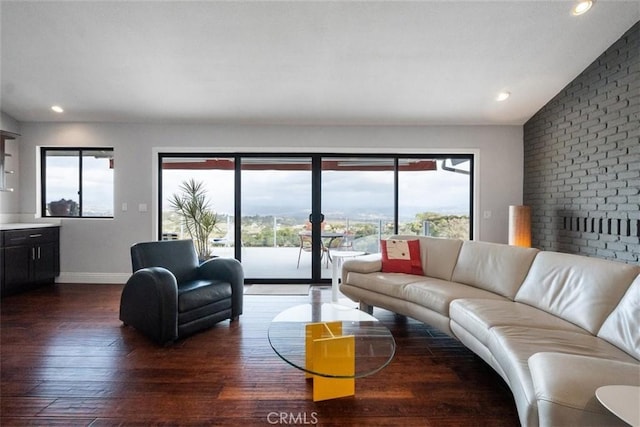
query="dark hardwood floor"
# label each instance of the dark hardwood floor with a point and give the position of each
(67, 360)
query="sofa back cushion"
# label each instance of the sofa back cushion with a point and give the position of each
(622, 327)
(579, 289)
(438, 255)
(494, 267)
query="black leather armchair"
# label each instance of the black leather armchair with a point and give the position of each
(171, 295)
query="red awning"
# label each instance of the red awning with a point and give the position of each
(301, 164)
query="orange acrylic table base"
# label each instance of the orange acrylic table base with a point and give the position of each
(328, 351)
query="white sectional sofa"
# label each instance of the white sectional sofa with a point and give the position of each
(554, 326)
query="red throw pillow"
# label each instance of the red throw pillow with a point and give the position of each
(401, 256)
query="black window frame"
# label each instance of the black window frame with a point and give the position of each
(43, 181)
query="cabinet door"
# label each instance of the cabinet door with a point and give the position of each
(45, 265)
(17, 266)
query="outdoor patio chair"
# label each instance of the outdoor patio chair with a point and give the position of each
(334, 244)
(305, 246)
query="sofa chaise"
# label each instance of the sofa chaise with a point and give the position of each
(554, 326)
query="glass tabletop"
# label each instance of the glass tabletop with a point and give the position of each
(374, 344)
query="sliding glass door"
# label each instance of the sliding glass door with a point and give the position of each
(180, 178)
(275, 200)
(358, 201)
(283, 215)
(434, 196)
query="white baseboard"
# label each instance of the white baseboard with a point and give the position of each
(93, 278)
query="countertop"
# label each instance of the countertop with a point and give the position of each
(24, 225)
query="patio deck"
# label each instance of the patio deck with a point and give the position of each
(274, 263)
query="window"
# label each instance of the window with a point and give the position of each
(434, 196)
(77, 182)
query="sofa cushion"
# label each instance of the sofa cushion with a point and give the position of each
(401, 256)
(437, 294)
(177, 256)
(478, 316)
(493, 267)
(622, 327)
(198, 293)
(579, 289)
(438, 255)
(523, 341)
(560, 401)
(391, 284)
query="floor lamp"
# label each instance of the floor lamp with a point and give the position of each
(520, 226)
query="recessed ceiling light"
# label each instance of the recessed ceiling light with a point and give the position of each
(582, 7)
(503, 96)
(57, 109)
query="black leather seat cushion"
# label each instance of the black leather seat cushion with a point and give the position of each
(197, 293)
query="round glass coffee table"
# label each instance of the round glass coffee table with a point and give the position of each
(333, 344)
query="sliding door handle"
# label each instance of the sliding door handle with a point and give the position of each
(313, 218)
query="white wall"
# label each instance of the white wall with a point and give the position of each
(97, 250)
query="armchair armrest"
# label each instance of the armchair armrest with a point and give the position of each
(149, 303)
(229, 270)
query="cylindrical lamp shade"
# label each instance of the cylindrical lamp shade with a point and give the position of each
(520, 226)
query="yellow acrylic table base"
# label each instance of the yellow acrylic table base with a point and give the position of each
(329, 352)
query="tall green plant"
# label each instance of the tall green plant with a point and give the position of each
(198, 217)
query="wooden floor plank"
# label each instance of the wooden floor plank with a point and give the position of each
(65, 359)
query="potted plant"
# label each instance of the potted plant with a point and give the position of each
(198, 217)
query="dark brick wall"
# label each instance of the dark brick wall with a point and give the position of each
(582, 160)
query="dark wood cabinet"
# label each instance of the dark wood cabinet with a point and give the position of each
(30, 257)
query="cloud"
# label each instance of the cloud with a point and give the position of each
(345, 193)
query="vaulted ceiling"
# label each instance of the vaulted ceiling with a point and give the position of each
(297, 62)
